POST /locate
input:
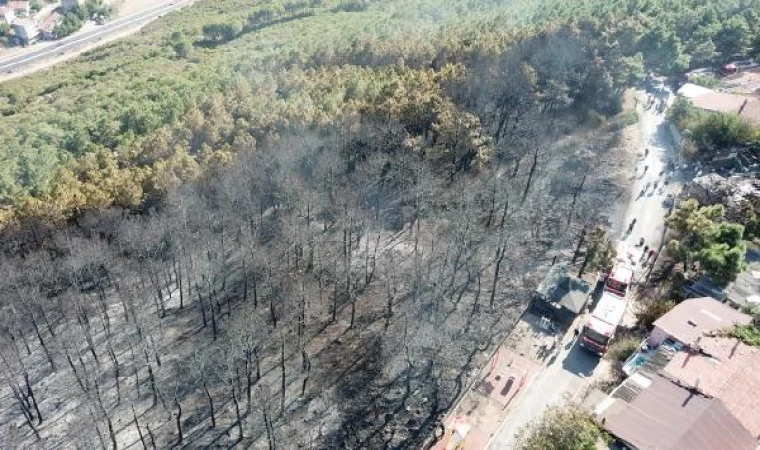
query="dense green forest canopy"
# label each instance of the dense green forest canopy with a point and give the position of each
(124, 123)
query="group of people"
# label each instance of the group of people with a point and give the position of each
(652, 102)
(647, 255)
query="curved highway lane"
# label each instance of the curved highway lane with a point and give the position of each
(77, 42)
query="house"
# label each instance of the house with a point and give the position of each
(68, 5)
(561, 296)
(723, 368)
(7, 14)
(694, 318)
(721, 102)
(658, 413)
(21, 8)
(26, 30)
(47, 27)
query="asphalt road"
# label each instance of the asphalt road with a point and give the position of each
(567, 373)
(77, 42)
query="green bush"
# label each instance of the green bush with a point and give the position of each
(649, 312)
(624, 119)
(623, 348)
(568, 428)
(749, 334)
(719, 131)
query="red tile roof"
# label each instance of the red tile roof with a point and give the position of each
(726, 369)
(695, 317)
(666, 416)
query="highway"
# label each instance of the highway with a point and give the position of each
(78, 42)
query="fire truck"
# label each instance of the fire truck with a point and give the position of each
(598, 332)
(618, 280)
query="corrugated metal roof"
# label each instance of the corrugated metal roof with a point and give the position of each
(666, 416)
(695, 317)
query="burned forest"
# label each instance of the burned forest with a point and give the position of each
(334, 285)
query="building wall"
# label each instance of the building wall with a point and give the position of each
(657, 337)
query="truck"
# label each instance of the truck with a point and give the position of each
(598, 332)
(618, 280)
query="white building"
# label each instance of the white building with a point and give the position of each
(26, 30)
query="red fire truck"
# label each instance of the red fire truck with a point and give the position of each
(600, 329)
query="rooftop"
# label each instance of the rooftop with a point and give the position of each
(744, 105)
(691, 319)
(664, 415)
(725, 369)
(691, 90)
(561, 288)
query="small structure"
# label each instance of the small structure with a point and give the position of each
(658, 413)
(560, 295)
(47, 28)
(26, 30)
(692, 319)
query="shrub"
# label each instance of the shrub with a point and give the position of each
(560, 429)
(623, 348)
(653, 310)
(749, 334)
(721, 131)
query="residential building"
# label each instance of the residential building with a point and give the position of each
(47, 27)
(658, 413)
(720, 102)
(68, 5)
(694, 318)
(726, 369)
(26, 30)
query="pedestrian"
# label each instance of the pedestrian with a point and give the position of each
(646, 152)
(644, 253)
(576, 332)
(651, 254)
